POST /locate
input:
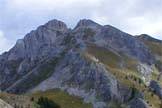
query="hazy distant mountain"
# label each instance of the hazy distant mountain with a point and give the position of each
(101, 64)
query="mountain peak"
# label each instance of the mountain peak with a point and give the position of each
(87, 23)
(91, 61)
(148, 38)
(56, 25)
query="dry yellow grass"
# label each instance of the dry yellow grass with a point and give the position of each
(128, 75)
(63, 99)
(19, 100)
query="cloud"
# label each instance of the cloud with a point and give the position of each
(4, 43)
(140, 25)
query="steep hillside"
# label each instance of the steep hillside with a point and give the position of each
(63, 99)
(127, 74)
(100, 64)
(156, 48)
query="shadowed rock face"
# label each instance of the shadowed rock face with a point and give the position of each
(53, 57)
(28, 52)
(39, 42)
(138, 103)
(156, 88)
(146, 37)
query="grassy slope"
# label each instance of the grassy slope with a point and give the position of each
(127, 75)
(156, 49)
(62, 98)
(20, 100)
(105, 56)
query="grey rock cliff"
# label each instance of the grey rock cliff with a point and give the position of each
(28, 52)
(52, 56)
(110, 37)
(138, 103)
(156, 88)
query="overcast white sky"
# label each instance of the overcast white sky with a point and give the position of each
(18, 17)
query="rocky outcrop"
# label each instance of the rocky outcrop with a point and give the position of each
(36, 46)
(52, 56)
(155, 87)
(146, 72)
(138, 103)
(85, 79)
(155, 46)
(146, 37)
(56, 26)
(4, 104)
(110, 37)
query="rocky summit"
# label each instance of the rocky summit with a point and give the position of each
(102, 65)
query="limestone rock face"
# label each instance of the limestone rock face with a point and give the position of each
(77, 76)
(86, 23)
(125, 43)
(53, 56)
(28, 52)
(4, 104)
(56, 25)
(110, 37)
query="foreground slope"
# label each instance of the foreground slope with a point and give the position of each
(61, 98)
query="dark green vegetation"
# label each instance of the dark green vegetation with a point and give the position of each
(44, 102)
(159, 64)
(63, 99)
(51, 98)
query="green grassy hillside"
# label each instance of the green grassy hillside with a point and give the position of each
(127, 75)
(63, 99)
